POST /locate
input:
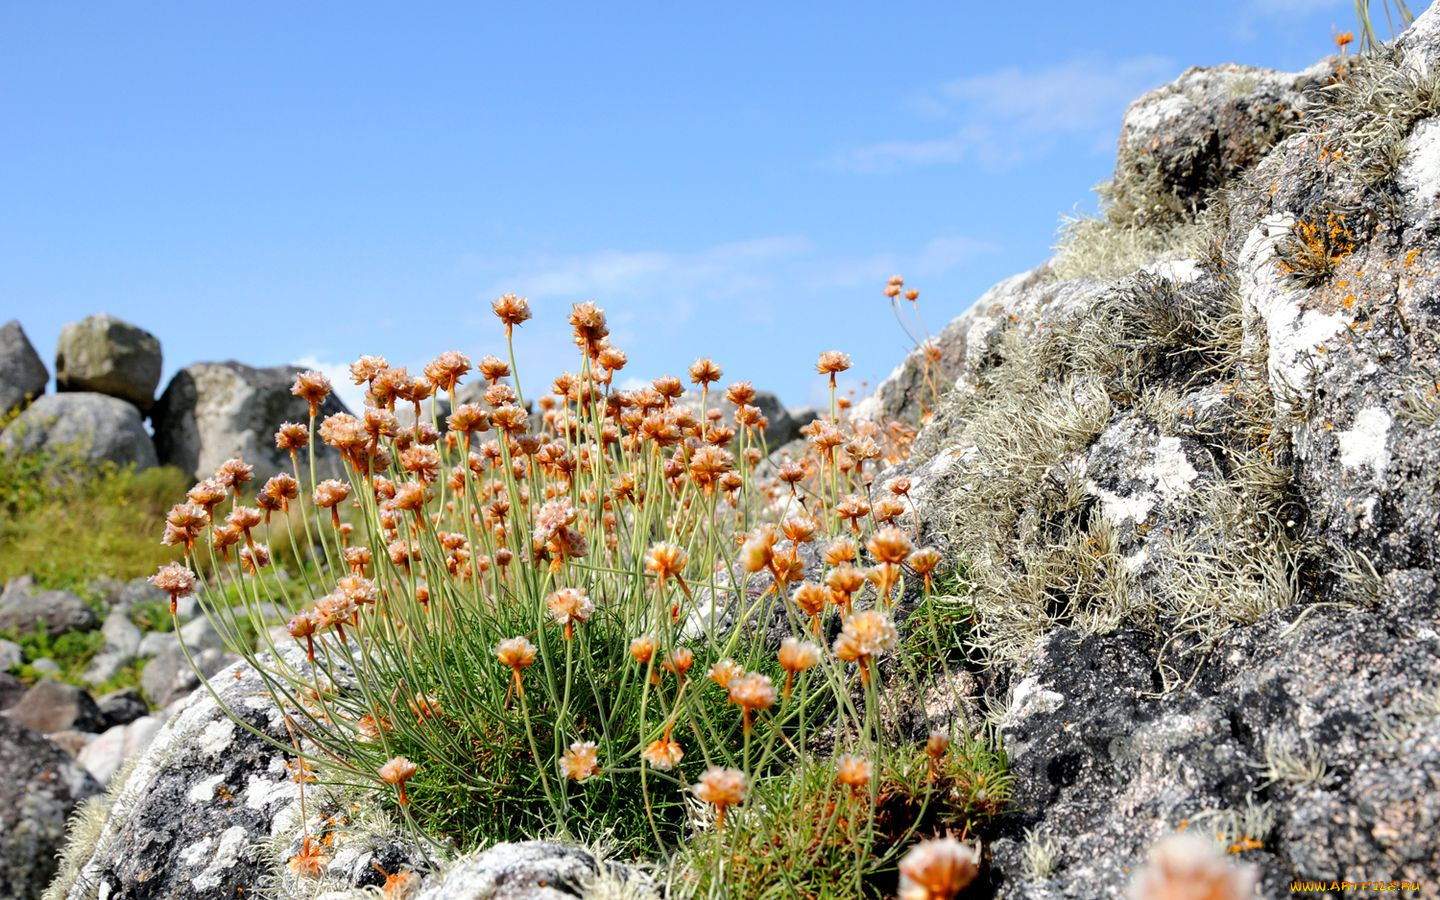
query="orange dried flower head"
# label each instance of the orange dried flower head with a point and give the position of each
(800, 529)
(665, 560)
(397, 771)
(1185, 866)
(581, 761)
(570, 605)
(853, 772)
(233, 473)
(663, 754)
(511, 310)
(708, 464)
(865, 635)
(890, 546)
(752, 691)
(741, 393)
(724, 672)
(469, 418)
(832, 362)
(208, 494)
(517, 653)
(841, 550)
(588, 321)
(668, 387)
(924, 560)
(643, 649)
(366, 368)
(912, 295)
(680, 661)
(1344, 38)
(309, 862)
(810, 598)
(797, 656)
(176, 580)
(446, 370)
(312, 387)
(937, 744)
(330, 492)
(292, 436)
(937, 869)
(704, 372)
(722, 788)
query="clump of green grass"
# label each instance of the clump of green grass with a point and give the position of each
(506, 632)
(67, 522)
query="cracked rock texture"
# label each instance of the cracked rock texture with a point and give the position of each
(40, 786)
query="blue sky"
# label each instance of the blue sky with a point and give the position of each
(308, 182)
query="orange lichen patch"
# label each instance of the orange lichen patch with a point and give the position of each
(1315, 249)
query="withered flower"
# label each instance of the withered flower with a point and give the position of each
(398, 771)
(580, 761)
(312, 387)
(937, 869)
(722, 788)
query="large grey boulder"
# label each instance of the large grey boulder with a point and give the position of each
(105, 355)
(526, 870)
(25, 607)
(40, 786)
(93, 428)
(213, 411)
(1199, 502)
(22, 373)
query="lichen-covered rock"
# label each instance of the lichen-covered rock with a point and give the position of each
(1199, 503)
(25, 607)
(105, 355)
(40, 786)
(195, 814)
(22, 373)
(211, 412)
(1184, 140)
(528, 870)
(91, 427)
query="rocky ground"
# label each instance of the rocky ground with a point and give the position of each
(1189, 466)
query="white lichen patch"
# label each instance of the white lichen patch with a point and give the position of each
(1420, 172)
(216, 737)
(227, 853)
(1030, 698)
(1171, 470)
(1294, 333)
(1181, 271)
(262, 793)
(1144, 117)
(1363, 446)
(1118, 509)
(204, 791)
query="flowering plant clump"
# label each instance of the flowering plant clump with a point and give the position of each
(618, 613)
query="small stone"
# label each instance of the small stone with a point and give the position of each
(54, 706)
(123, 706)
(11, 655)
(24, 607)
(40, 786)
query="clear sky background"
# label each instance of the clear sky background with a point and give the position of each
(307, 182)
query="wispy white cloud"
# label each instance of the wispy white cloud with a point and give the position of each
(349, 393)
(746, 275)
(1001, 118)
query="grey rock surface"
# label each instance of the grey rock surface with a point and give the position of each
(213, 411)
(94, 428)
(106, 355)
(11, 655)
(40, 786)
(103, 756)
(1203, 547)
(22, 373)
(195, 814)
(52, 706)
(11, 690)
(169, 675)
(25, 607)
(529, 870)
(122, 707)
(122, 644)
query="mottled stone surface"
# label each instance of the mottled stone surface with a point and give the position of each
(93, 427)
(213, 411)
(40, 785)
(529, 870)
(106, 355)
(193, 817)
(22, 373)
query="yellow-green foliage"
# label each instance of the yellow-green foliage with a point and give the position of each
(67, 522)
